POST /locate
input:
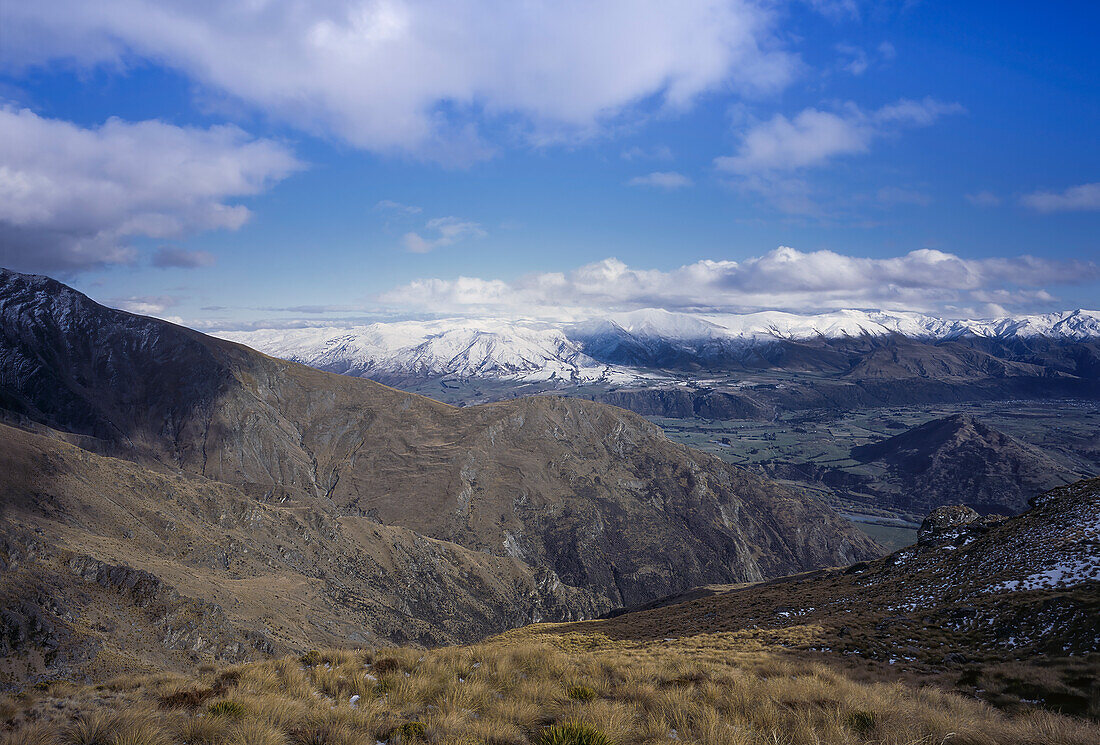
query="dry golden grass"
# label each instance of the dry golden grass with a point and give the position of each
(525, 689)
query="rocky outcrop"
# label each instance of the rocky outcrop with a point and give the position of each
(944, 521)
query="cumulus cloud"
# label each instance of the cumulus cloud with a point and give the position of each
(662, 180)
(1083, 198)
(923, 280)
(168, 257)
(773, 154)
(441, 231)
(417, 75)
(73, 198)
(813, 137)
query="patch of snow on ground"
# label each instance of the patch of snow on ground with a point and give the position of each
(1066, 574)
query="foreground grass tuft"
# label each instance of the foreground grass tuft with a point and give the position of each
(582, 693)
(409, 732)
(518, 689)
(861, 722)
(572, 733)
(226, 708)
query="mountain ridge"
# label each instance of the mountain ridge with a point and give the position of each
(592, 350)
(594, 501)
(658, 363)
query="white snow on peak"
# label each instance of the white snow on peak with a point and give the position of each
(660, 323)
(464, 348)
(537, 351)
(1077, 324)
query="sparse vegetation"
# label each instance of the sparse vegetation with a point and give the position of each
(535, 686)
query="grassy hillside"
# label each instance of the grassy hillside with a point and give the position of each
(520, 689)
(948, 641)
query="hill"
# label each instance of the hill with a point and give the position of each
(837, 657)
(541, 507)
(1001, 608)
(960, 460)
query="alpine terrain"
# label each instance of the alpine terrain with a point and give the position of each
(211, 500)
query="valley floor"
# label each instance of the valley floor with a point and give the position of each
(811, 450)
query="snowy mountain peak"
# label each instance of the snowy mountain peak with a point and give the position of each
(612, 349)
(657, 322)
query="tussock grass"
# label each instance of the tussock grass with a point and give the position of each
(32, 734)
(524, 689)
(257, 732)
(226, 708)
(572, 733)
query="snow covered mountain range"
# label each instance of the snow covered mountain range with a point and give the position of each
(621, 347)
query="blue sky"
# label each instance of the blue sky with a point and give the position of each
(282, 163)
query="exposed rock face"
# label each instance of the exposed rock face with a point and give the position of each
(409, 519)
(945, 520)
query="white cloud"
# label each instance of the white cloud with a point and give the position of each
(662, 180)
(836, 10)
(855, 59)
(813, 137)
(417, 75)
(810, 139)
(1083, 198)
(891, 195)
(391, 206)
(983, 199)
(443, 231)
(74, 198)
(771, 151)
(658, 152)
(146, 305)
(922, 280)
(169, 257)
(907, 112)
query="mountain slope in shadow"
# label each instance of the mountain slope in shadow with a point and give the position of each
(960, 460)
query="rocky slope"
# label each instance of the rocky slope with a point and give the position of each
(1004, 608)
(108, 565)
(583, 505)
